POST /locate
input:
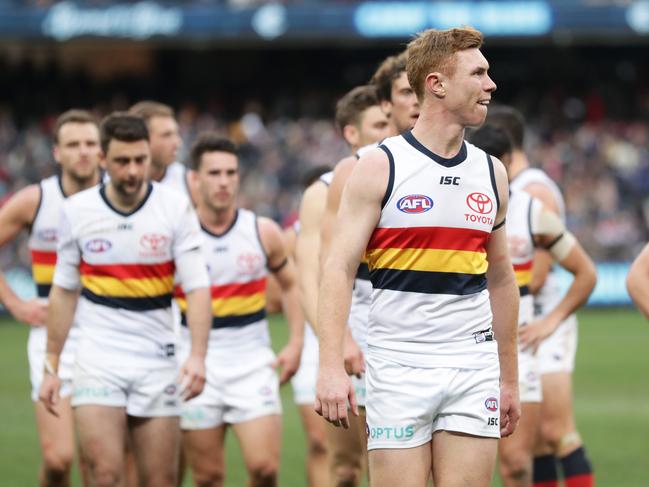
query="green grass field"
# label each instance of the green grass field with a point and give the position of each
(611, 389)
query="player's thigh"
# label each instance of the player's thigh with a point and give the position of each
(314, 426)
(102, 434)
(204, 451)
(56, 433)
(516, 451)
(403, 467)
(346, 448)
(156, 447)
(260, 440)
(460, 459)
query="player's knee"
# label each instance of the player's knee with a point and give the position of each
(317, 446)
(105, 475)
(264, 472)
(211, 477)
(57, 462)
(551, 433)
(516, 466)
(347, 475)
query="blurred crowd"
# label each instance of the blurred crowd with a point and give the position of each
(602, 167)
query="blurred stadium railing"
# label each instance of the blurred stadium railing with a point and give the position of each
(253, 19)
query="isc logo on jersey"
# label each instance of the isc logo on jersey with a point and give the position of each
(415, 203)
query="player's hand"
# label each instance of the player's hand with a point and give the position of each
(192, 377)
(510, 409)
(532, 334)
(49, 393)
(333, 389)
(33, 312)
(288, 361)
(353, 356)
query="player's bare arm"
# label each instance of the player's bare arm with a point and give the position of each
(15, 216)
(283, 269)
(307, 248)
(568, 252)
(637, 282)
(62, 305)
(192, 274)
(359, 213)
(504, 295)
(542, 259)
(199, 322)
(352, 354)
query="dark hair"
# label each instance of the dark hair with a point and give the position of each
(492, 139)
(210, 142)
(510, 120)
(312, 174)
(124, 127)
(72, 116)
(148, 109)
(389, 70)
(353, 103)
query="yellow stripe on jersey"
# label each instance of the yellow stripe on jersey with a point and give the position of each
(238, 305)
(132, 288)
(429, 260)
(523, 278)
(43, 273)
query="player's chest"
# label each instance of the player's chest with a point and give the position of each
(126, 240)
(444, 199)
(234, 259)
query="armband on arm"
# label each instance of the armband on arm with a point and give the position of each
(562, 245)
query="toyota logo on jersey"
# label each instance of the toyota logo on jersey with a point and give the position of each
(480, 203)
(415, 203)
(153, 241)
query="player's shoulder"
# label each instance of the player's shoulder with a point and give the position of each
(83, 198)
(168, 196)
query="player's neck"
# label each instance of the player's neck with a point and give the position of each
(216, 221)
(438, 135)
(72, 185)
(519, 164)
(126, 202)
(157, 172)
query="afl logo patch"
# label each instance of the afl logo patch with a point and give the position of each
(491, 404)
(47, 235)
(415, 203)
(480, 203)
(98, 245)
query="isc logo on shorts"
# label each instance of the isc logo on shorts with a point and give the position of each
(415, 203)
(491, 404)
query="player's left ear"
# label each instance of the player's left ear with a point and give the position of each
(350, 133)
(434, 83)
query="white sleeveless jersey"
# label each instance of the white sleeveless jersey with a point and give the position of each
(522, 212)
(237, 266)
(550, 294)
(176, 177)
(125, 264)
(326, 178)
(44, 235)
(427, 258)
(42, 244)
(366, 148)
